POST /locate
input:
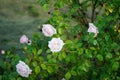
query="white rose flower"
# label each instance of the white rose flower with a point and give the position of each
(55, 44)
(23, 39)
(2, 51)
(23, 69)
(93, 29)
(48, 30)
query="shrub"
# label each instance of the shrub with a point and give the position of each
(82, 55)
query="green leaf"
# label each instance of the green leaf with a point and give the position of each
(48, 56)
(48, 51)
(73, 73)
(49, 69)
(95, 42)
(60, 30)
(84, 68)
(34, 63)
(115, 66)
(45, 7)
(68, 75)
(80, 51)
(11, 78)
(68, 42)
(108, 56)
(39, 51)
(88, 53)
(92, 48)
(43, 66)
(67, 59)
(60, 57)
(64, 55)
(37, 69)
(34, 51)
(0, 77)
(100, 57)
(19, 78)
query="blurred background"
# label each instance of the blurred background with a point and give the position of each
(18, 17)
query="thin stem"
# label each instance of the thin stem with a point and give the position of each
(93, 9)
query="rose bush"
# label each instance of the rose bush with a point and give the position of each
(66, 51)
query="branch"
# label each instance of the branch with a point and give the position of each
(93, 9)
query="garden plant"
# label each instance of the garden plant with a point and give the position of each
(80, 41)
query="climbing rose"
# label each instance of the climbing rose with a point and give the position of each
(23, 69)
(23, 39)
(55, 44)
(48, 30)
(93, 29)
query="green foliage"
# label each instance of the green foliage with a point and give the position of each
(83, 57)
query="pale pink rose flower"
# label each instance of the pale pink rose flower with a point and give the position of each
(48, 30)
(2, 51)
(23, 69)
(93, 29)
(23, 39)
(56, 44)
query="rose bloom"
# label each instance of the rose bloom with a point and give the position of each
(48, 30)
(23, 69)
(23, 39)
(2, 51)
(55, 44)
(93, 29)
